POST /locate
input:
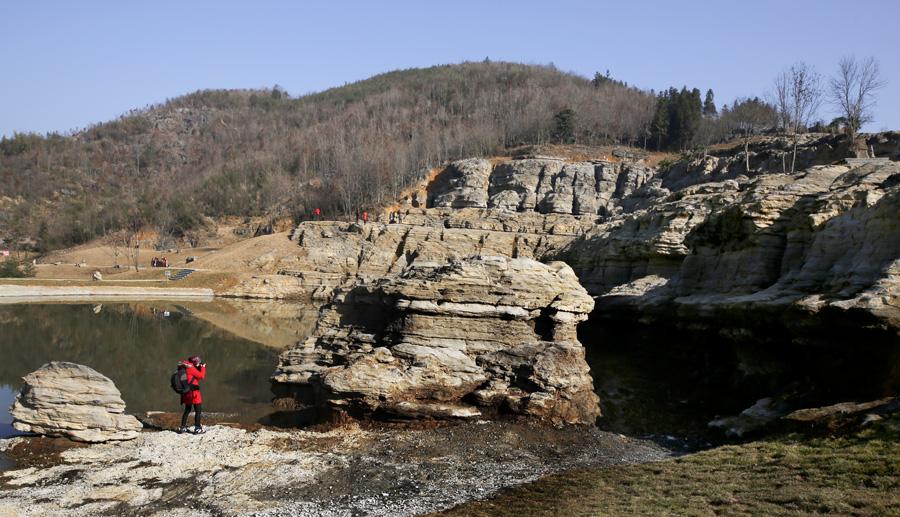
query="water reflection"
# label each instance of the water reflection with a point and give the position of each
(138, 345)
(7, 395)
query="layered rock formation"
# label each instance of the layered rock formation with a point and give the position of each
(451, 341)
(752, 256)
(73, 401)
(701, 236)
(827, 238)
(543, 184)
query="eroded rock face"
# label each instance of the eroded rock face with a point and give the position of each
(485, 333)
(73, 401)
(705, 237)
(468, 185)
(824, 239)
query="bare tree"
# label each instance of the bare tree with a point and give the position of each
(709, 130)
(114, 241)
(797, 98)
(748, 117)
(852, 92)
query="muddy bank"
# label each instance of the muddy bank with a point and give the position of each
(384, 470)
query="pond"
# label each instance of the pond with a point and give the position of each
(137, 345)
(660, 383)
(666, 383)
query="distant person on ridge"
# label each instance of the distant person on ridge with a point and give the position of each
(196, 371)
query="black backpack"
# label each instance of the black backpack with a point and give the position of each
(179, 382)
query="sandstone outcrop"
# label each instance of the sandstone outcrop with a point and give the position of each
(703, 237)
(467, 185)
(451, 341)
(708, 238)
(826, 239)
(74, 401)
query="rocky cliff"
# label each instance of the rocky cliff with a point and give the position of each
(698, 234)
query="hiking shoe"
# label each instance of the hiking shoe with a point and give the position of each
(182, 430)
(199, 430)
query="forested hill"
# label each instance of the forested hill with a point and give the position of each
(218, 152)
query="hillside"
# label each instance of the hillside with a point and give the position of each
(263, 153)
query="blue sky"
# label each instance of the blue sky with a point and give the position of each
(69, 64)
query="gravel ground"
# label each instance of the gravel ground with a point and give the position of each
(377, 470)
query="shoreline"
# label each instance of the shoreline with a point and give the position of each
(12, 294)
(348, 469)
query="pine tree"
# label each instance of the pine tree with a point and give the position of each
(27, 270)
(43, 236)
(564, 130)
(659, 127)
(709, 105)
(9, 268)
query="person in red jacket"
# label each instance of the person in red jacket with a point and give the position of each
(196, 371)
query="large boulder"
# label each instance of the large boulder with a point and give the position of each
(480, 334)
(73, 401)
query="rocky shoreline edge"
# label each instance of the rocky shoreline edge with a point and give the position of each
(376, 469)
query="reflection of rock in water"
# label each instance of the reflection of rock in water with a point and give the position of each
(273, 323)
(7, 396)
(138, 351)
(661, 380)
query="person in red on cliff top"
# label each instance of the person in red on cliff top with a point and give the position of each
(196, 371)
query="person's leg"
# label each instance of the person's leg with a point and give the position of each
(184, 416)
(198, 410)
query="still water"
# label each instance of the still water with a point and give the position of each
(138, 346)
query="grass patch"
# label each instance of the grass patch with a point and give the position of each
(858, 475)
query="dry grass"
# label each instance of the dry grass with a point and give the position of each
(792, 476)
(656, 157)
